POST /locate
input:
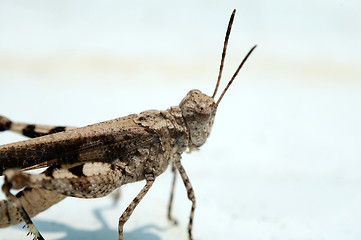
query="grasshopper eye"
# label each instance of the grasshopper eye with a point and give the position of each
(200, 117)
(203, 112)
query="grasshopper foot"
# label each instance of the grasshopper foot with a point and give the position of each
(33, 231)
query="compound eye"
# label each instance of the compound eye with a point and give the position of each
(201, 117)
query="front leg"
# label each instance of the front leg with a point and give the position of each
(170, 204)
(190, 193)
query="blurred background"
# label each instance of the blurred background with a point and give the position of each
(283, 160)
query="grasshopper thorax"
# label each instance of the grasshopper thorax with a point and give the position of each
(198, 111)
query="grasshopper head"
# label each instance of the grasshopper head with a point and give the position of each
(198, 111)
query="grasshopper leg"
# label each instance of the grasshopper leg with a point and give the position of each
(34, 201)
(54, 185)
(129, 210)
(16, 201)
(170, 217)
(190, 193)
(116, 195)
(30, 130)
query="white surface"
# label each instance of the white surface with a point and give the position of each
(283, 160)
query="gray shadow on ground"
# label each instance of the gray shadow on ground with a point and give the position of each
(142, 233)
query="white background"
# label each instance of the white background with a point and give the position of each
(284, 158)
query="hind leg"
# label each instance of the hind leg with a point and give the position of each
(30, 130)
(34, 201)
(13, 200)
(26, 204)
(88, 180)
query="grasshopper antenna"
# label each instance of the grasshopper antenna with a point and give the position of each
(224, 51)
(235, 74)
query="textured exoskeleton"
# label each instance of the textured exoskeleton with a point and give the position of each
(93, 161)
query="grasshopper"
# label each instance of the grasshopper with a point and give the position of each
(93, 161)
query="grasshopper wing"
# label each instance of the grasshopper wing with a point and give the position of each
(106, 142)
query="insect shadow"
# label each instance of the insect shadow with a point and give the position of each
(105, 232)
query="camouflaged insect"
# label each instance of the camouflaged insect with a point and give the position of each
(93, 161)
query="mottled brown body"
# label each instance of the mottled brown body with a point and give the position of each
(93, 161)
(137, 144)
